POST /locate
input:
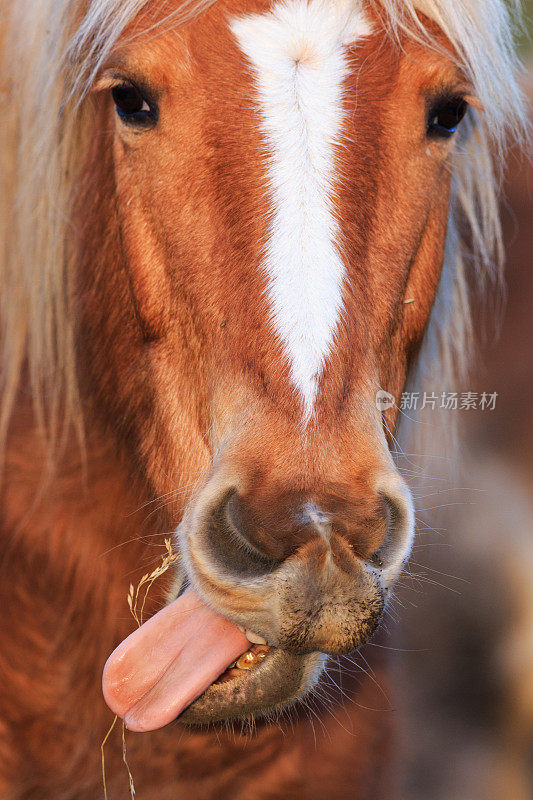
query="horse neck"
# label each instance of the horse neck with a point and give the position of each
(84, 532)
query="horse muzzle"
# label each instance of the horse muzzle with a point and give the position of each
(277, 585)
(304, 576)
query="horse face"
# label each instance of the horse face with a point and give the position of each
(277, 192)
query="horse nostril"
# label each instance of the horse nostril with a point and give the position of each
(395, 548)
(252, 533)
(275, 526)
(242, 526)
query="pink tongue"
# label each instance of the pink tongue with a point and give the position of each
(156, 672)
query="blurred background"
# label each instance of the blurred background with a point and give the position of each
(465, 611)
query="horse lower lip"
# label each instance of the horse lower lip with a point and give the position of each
(244, 694)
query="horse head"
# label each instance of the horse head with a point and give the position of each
(265, 213)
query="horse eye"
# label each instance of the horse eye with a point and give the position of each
(132, 107)
(444, 117)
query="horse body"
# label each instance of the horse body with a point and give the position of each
(256, 209)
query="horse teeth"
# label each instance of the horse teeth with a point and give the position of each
(254, 637)
(249, 660)
(246, 661)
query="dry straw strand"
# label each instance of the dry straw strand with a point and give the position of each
(133, 598)
(125, 760)
(102, 746)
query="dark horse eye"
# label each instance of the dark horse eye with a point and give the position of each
(445, 116)
(132, 107)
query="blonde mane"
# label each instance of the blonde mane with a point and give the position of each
(52, 52)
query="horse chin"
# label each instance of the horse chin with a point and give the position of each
(277, 682)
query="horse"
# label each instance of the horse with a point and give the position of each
(232, 233)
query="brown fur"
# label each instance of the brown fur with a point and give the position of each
(65, 574)
(176, 363)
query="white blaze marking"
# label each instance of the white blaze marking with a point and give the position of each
(297, 52)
